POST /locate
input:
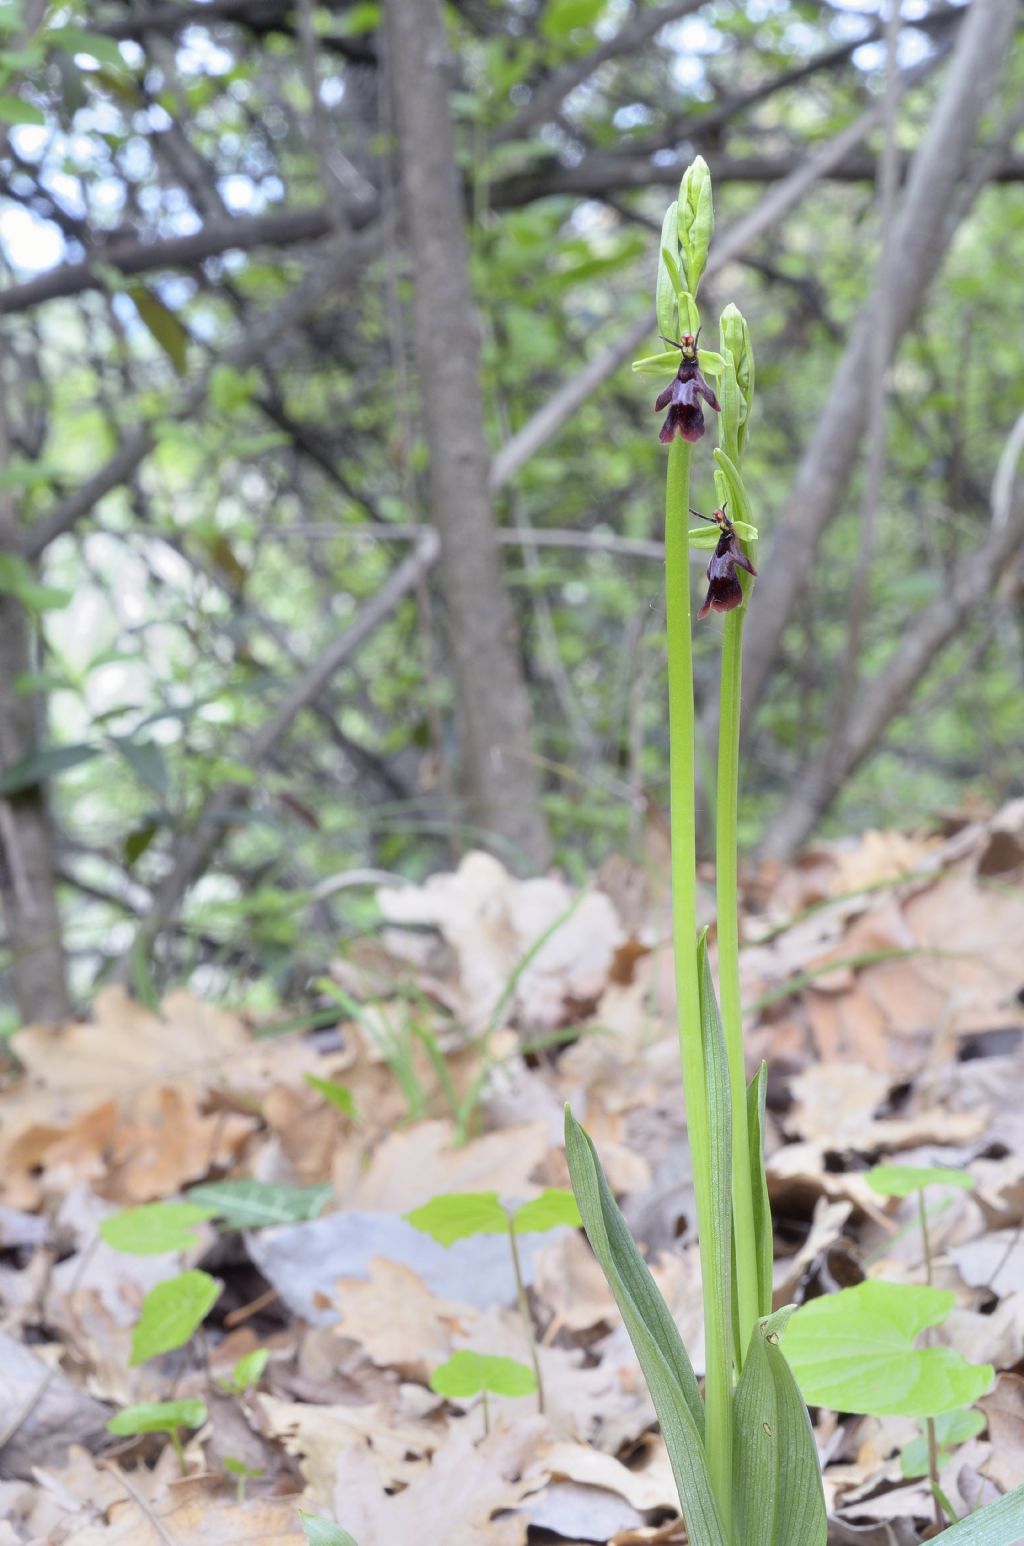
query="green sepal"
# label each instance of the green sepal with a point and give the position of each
(777, 1492)
(657, 364)
(707, 536)
(669, 281)
(654, 1335)
(739, 505)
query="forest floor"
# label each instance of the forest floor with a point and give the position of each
(884, 979)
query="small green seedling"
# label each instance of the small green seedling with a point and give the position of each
(171, 1313)
(339, 1095)
(248, 1204)
(460, 1215)
(242, 1473)
(905, 1181)
(468, 1374)
(320, 1532)
(156, 1228)
(855, 1351)
(160, 1417)
(951, 1429)
(246, 1373)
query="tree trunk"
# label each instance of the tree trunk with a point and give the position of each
(499, 776)
(922, 235)
(27, 881)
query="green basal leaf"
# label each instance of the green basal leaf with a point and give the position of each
(467, 1374)
(777, 1492)
(155, 1228)
(552, 1208)
(654, 1335)
(951, 1429)
(719, 1125)
(902, 1180)
(763, 1238)
(320, 1532)
(459, 1215)
(1000, 1524)
(855, 1352)
(668, 284)
(248, 1204)
(158, 1417)
(171, 1312)
(339, 1095)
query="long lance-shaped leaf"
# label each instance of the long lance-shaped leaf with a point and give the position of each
(719, 1138)
(777, 1493)
(999, 1524)
(756, 1091)
(659, 1347)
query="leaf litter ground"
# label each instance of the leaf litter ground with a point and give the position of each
(884, 979)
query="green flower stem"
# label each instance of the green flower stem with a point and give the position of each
(524, 1311)
(717, 1328)
(727, 811)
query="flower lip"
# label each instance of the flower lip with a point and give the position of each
(683, 394)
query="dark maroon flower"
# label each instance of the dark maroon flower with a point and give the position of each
(682, 396)
(724, 589)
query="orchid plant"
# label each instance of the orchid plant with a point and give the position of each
(742, 1449)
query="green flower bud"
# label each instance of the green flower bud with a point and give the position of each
(737, 349)
(696, 221)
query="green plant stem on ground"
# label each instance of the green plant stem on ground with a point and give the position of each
(727, 812)
(524, 1311)
(717, 1309)
(929, 1427)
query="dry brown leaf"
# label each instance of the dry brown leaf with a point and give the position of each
(568, 1281)
(994, 1262)
(826, 1227)
(455, 1498)
(399, 1322)
(196, 1513)
(320, 1435)
(491, 921)
(648, 1488)
(1004, 1408)
(418, 1163)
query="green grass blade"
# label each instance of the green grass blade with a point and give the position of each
(764, 1248)
(654, 1335)
(1000, 1524)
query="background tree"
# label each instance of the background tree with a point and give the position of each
(247, 675)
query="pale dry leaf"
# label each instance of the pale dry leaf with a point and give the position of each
(997, 1339)
(995, 1262)
(51, 1411)
(648, 1488)
(573, 1511)
(568, 1282)
(319, 1435)
(399, 1322)
(199, 1514)
(469, 1495)
(1004, 1408)
(826, 1227)
(418, 1163)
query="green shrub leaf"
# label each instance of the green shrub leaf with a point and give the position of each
(158, 1417)
(171, 1312)
(467, 1374)
(854, 1351)
(155, 1228)
(248, 1204)
(247, 1370)
(458, 1215)
(901, 1180)
(654, 1335)
(552, 1208)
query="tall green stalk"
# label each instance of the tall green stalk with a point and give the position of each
(727, 902)
(717, 1295)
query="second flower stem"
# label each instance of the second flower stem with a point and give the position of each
(727, 902)
(717, 1295)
